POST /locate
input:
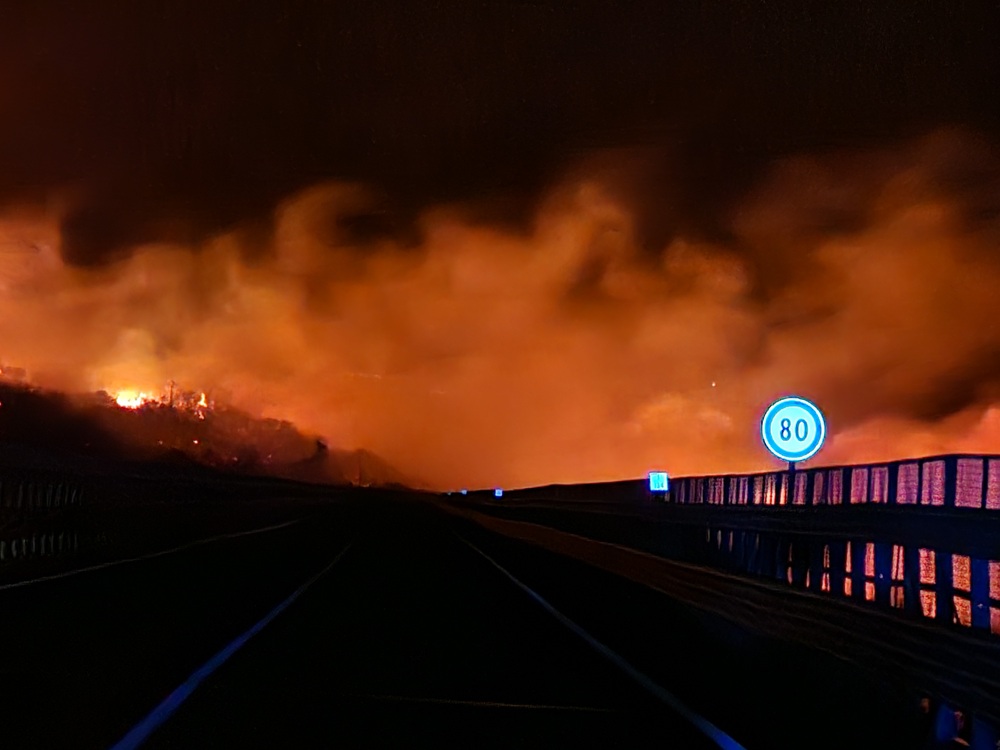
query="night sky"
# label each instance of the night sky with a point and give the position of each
(479, 198)
(188, 117)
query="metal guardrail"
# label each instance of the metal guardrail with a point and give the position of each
(955, 582)
(952, 481)
(36, 515)
(37, 493)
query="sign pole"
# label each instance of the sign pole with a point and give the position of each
(791, 482)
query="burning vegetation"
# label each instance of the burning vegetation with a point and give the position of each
(191, 401)
(176, 426)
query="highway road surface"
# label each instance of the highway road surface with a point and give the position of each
(389, 623)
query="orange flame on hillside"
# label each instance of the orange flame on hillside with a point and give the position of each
(129, 399)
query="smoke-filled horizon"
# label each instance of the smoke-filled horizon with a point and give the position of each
(570, 350)
(513, 242)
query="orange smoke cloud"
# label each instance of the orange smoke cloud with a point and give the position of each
(569, 353)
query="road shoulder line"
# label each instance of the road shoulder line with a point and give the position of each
(711, 731)
(152, 721)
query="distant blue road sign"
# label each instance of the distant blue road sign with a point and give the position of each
(659, 481)
(793, 429)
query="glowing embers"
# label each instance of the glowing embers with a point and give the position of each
(195, 402)
(129, 399)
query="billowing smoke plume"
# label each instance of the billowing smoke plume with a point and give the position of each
(572, 352)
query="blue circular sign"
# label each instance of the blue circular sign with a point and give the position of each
(793, 429)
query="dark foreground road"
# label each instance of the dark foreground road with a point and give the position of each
(385, 624)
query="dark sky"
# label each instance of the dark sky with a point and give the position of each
(171, 119)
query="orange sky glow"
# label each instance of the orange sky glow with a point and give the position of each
(567, 353)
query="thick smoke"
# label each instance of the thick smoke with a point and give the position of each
(865, 280)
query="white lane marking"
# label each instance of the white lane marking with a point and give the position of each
(720, 738)
(142, 731)
(477, 704)
(150, 556)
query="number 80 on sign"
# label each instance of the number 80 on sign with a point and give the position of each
(793, 429)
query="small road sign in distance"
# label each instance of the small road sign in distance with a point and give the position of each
(659, 481)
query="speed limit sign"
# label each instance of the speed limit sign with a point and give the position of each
(793, 429)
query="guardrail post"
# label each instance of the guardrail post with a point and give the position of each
(979, 592)
(920, 482)
(756, 565)
(739, 549)
(816, 571)
(858, 550)
(944, 589)
(984, 494)
(799, 553)
(950, 481)
(838, 566)
(883, 573)
(911, 581)
(775, 561)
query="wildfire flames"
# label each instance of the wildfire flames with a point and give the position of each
(132, 399)
(571, 351)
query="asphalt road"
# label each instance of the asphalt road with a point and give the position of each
(397, 634)
(383, 623)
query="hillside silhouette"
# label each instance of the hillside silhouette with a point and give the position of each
(91, 432)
